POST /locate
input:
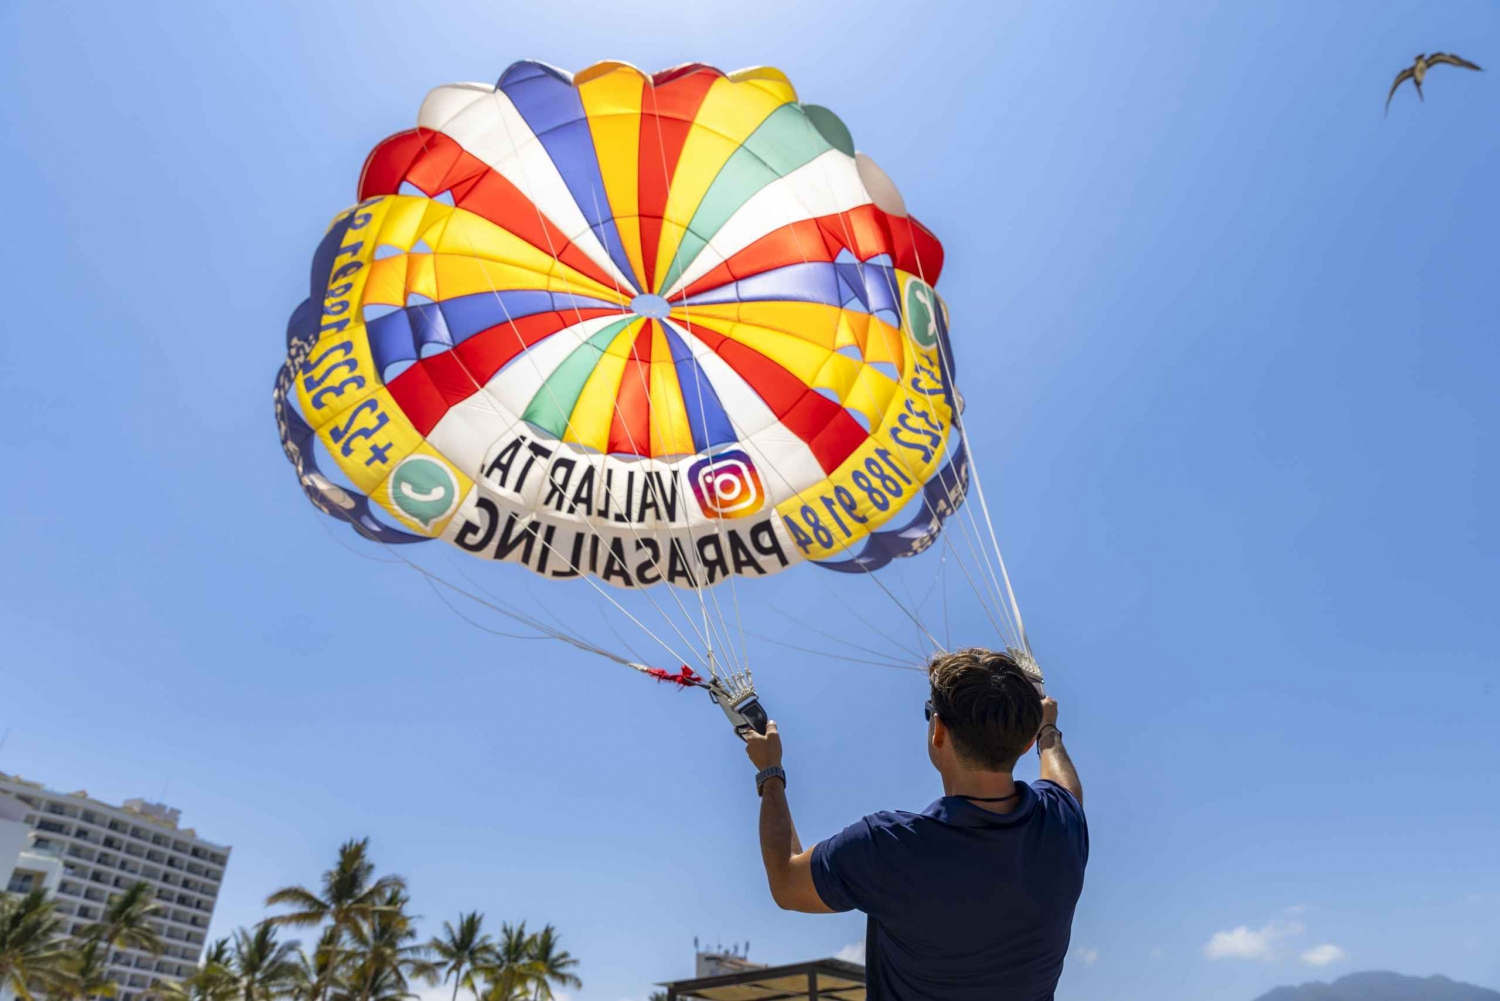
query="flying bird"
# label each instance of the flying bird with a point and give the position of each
(1417, 72)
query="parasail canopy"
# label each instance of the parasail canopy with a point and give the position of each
(632, 329)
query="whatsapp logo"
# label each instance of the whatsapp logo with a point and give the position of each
(924, 312)
(424, 490)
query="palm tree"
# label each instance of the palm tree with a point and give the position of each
(323, 965)
(555, 966)
(514, 973)
(462, 950)
(384, 953)
(385, 985)
(129, 921)
(264, 967)
(350, 894)
(31, 950)
(85, 974)
(212, 981)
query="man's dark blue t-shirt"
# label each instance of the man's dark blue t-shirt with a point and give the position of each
(963, 903)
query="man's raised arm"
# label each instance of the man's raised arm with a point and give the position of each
(788, 867)
(1056, 765)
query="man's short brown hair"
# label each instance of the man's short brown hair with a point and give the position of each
(988, 705)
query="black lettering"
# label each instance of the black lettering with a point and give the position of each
(739, 552)
(763, 538)
(614, 563)
(546, 549)
(649, 563)
(678, 566)
(648, 498)
(583, 493)
(555, 488)
(609, 486)
(669, 500)
(715, 564)
(538, 451)
(510, 539)
(572, 568)
(623, 515)
(502, 462)
(485, 532)
(594, 554)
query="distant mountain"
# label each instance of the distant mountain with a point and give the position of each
(1376, 986)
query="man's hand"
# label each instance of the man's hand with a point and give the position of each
(1049, 711)
(764, 751)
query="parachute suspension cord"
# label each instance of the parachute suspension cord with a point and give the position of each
(947, 627)
(932, 586)
(837, 656)
(541, 627)
(991, 608)
(477, 625)
(837, 639)
(318, 517)
(874, 628)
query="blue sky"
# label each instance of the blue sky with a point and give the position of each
(1235, 347)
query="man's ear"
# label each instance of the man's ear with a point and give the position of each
(1027, 748)
(939, 732)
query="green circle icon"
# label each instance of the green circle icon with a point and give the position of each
(924, 312)
(424, 490)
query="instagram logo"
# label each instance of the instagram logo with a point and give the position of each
(727, 485)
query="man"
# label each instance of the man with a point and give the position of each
(973, 897)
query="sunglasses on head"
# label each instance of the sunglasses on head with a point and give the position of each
(929, 710)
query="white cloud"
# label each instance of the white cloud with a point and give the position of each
(1322, 955)
(1087, 956)
(854, 952)
(1247, 943)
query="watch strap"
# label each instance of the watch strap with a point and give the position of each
(1043, 732)
(774, 772)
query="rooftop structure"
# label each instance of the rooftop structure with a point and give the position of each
(98, 851)
(818, 980)
(719, 960)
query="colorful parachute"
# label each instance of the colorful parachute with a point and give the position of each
(642, 328)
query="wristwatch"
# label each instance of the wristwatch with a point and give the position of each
(774, 772)
(1043, 732)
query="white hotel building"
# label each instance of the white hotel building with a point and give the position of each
(83, 852)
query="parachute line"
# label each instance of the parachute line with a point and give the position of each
(837, 639)
(837, 656)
